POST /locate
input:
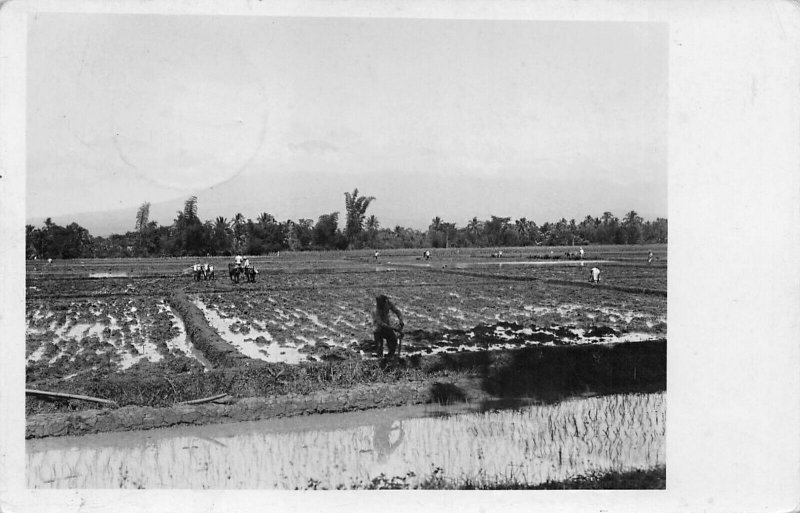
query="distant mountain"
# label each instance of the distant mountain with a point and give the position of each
(410, 200)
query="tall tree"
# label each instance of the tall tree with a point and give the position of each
(632, 226)
(190, 209)
(474, 231)
(265, 219)
(356, 209)
(326, 233)
(239, 235)
(496, 229)
(222, 237)
(435, 235)
(142, 217)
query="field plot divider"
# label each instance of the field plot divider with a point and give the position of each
(215, 349)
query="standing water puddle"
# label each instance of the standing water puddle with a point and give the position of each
(407, 445)
(256, 344)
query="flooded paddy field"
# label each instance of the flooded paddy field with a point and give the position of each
(404, 447)
(67, 337)
(294, 314)
(143, 333)
(443, 312)
(612, 273)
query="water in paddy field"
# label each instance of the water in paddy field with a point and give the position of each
(528, 445)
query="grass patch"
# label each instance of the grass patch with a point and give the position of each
(546, 373)
(650, 479)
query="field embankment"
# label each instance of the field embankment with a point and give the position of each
(263, 390)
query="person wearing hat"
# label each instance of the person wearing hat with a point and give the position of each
(382, 327)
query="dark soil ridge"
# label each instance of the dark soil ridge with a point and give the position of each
(233, 288)
(215, 349)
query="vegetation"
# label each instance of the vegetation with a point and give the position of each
(188, 235)
(650, 479)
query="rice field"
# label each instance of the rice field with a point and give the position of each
(525, 446)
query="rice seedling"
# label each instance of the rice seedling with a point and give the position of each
(522, 447)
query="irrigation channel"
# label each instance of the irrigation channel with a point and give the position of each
(395, 447)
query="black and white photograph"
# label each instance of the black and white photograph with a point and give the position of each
(385, 248)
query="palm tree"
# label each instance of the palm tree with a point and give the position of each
(238, 232)
(221, 224)
(474, 226)
(356, 208)
(608, 218)
(522, 228)
(372, 223)
(265, 219)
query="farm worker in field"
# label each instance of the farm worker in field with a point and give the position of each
(427, 255)
(377, 254)
(499, 254)
(594, 277)
(650, 257)
(247, 263)
(49, 260)
(238, 260)
(581, 252)
(382, 328)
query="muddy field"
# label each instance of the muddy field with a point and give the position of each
(144, 333)
(306, 310)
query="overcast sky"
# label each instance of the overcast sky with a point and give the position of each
(441, 118)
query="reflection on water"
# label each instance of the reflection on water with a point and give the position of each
(530, 445)
(384, 442)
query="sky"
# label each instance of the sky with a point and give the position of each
(447, 118)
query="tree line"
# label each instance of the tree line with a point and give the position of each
(188, 235)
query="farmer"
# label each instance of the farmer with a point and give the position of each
(594, 277)
(247, 263)
(377, 254)
(427, 255)
(382, 328)
(581, 252)
(650, 257)
(238, 260)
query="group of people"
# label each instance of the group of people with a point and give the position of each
(203, 272)
(241, 266)
(242, 262)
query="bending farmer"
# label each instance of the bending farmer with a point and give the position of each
(382, 328)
